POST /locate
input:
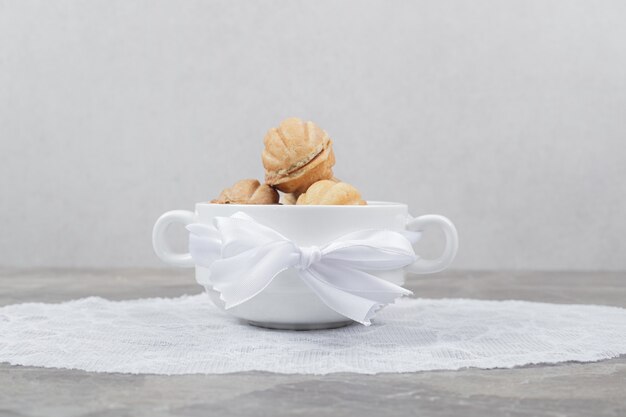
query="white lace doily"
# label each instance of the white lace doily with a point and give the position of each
(189, 335)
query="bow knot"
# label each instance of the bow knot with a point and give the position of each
(308, 256)
(243, 257)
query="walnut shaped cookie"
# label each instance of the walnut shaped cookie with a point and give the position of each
(292, 198)
(248, 191)
(327, 192)
(297, 153)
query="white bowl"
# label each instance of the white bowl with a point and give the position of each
(287, 303)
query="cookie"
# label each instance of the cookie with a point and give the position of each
(248, 191)
(328, 192)
(296, 155)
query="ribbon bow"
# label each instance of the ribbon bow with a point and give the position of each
(243, 257)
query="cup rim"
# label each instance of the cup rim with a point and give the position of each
(371, 204)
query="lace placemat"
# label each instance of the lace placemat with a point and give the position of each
(188, 335)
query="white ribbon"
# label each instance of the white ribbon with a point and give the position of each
(243, 258)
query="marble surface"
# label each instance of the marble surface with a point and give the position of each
(572, 389)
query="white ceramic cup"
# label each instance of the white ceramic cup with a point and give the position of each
(287, 303)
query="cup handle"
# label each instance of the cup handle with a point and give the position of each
(428, 266)
(161, 246)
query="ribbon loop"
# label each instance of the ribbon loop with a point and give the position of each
(243, 257)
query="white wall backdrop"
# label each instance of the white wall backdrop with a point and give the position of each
(507, 116)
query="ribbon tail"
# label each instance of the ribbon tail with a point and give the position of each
(357, 282)
(358, 305)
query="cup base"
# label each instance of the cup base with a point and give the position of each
(301, 326)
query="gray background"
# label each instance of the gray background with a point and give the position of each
(506, 116)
